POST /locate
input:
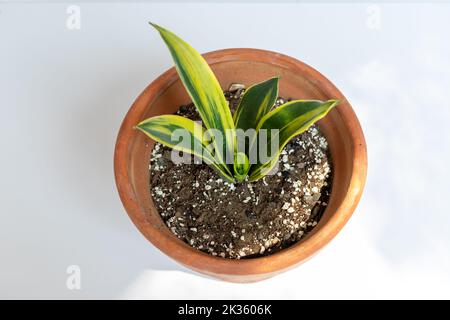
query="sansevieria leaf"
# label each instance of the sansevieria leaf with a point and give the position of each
(241, 166)
(203, 88)
(257, 101)
(191, 135)
(290, 119)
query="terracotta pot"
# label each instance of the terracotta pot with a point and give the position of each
(247, 66)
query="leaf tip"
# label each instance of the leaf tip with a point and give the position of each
(335, 102)
(140, 126)
(275, 79)
(330, 104)
(154, 25)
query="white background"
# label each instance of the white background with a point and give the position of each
(63, 94)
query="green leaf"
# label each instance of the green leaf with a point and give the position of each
(290, 119)
(241, 166)
(257, 101)
(203, 88)
(191, 135)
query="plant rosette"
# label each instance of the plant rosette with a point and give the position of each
(246, 182)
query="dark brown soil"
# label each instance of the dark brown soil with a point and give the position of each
(244, 219)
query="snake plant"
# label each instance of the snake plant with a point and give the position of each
(216, 141)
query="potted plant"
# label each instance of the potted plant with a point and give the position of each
(262, 181)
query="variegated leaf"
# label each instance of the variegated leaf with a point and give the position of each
(290, 119)
(191, 135)
(203, 88)
(256, 102)
(241, 166)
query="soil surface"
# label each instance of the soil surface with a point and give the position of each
(245, 219)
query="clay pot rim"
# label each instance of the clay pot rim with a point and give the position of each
(273, 263)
